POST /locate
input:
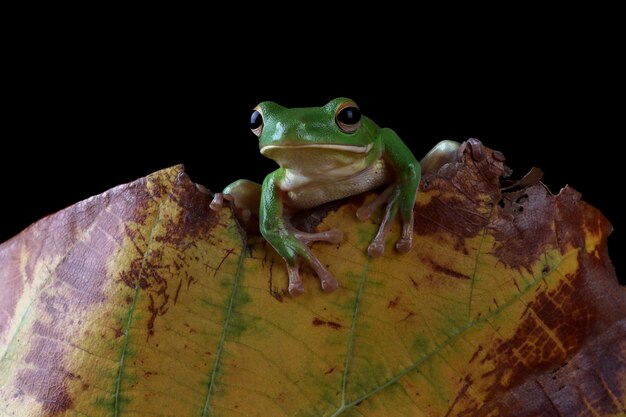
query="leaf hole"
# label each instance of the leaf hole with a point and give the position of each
(519, 203)
(522, 199)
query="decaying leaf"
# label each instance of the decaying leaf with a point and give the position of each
(143, 302)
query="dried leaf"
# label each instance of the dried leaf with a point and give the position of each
(141, 301)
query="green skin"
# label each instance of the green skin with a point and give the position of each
(322, 160)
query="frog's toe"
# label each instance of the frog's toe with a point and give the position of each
(296, 289)
(333, 236)
(404, 245)
(218, 202)
(376, 248)
(329, 283)
(327, 280)
(365, 212)
(295, 282)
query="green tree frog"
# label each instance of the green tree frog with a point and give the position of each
(325, 154)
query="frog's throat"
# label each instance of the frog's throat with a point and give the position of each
(346, 148)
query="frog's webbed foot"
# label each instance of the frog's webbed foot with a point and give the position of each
(245, 197)
(327, 280)
(218, 201)
(391, 197)
(444, 152)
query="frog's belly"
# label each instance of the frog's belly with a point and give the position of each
(314, 192)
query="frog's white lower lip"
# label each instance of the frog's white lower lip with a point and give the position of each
(346, 148)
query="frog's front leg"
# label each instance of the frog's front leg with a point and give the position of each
(290, 243)
(399, 196)
(246, 197)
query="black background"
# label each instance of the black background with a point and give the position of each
(80, 120)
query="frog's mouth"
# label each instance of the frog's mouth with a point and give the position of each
(320, 161)
(345, 148)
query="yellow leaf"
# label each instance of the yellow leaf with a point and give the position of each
(143, 302)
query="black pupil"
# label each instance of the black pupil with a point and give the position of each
(349, 115)
(256, 120)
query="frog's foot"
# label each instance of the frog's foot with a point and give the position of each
(333, 236)
(403, 245)
(377, 247)
(245, 196)
(391, 197)
(327, 280)
(218, 201)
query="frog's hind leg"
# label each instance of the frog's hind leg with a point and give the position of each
(245, 196)
(366, 211)
(442, 153)
(327, 280)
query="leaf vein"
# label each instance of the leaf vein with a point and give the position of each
(478, 253)
(220, 348)
(449, 340)
(346, 367)
(131, 312)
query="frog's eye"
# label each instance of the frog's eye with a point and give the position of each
(348, 117)
(256, 122)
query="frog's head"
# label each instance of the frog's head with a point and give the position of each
(337, 127)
